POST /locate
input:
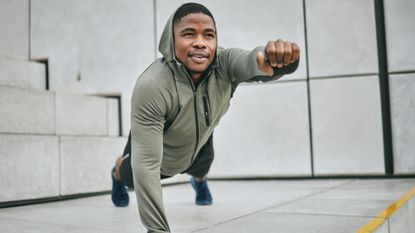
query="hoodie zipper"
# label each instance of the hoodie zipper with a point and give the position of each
(206, 113)
(195, 112)
(206, 108)
(197, 122)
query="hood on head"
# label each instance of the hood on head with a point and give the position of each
(166, 44)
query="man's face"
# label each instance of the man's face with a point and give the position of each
(195, 42)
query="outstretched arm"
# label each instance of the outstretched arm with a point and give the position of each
(264, 64)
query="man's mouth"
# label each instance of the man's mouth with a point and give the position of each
(199, 57)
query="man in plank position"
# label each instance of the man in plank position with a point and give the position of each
(178, 101)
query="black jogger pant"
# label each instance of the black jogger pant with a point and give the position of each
(199, 168)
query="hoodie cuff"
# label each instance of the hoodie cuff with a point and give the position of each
(286, 69)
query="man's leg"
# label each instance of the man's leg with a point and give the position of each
(119, 194)
(199, 170)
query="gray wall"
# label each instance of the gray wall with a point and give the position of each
(325, 119)
(344, 89)
(14, 27)
(94, 46)
(400, 35)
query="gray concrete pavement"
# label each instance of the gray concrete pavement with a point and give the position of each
(239, 206)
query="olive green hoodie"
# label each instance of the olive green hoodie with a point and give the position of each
(171, 119)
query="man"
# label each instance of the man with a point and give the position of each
(178, 101)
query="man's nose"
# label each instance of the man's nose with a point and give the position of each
(199, 43)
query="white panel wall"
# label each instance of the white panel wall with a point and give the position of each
(347, 126)
(102, 48)
(341, 37)
(402, 96)
(265, 132)
(14, 28)
(345, 112)
(249, 24)
(400, 34)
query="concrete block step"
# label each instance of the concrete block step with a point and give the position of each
(21, 73)
(26, 111)
(29, 167)
(86, 115)
(40, 166)
(86, 163)
(44, 112)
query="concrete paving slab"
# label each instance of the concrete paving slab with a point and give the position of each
(403, 220)
(364, 208)
(18, 227)
(71, 215)
(276, 223)
(384, 185)
(369, 190)
(239, 206)
(364, 194)
(233, 200)
(384, 228)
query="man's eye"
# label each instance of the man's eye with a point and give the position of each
(210, 36)
(188, 34)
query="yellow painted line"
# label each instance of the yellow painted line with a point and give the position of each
(376, 222)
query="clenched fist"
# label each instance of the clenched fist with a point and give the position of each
(278, 54)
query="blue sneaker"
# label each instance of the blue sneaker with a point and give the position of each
(203, 196)
(119, 194)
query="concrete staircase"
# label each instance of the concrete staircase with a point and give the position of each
(52, 144)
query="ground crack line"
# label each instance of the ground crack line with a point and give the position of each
(272, 207)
